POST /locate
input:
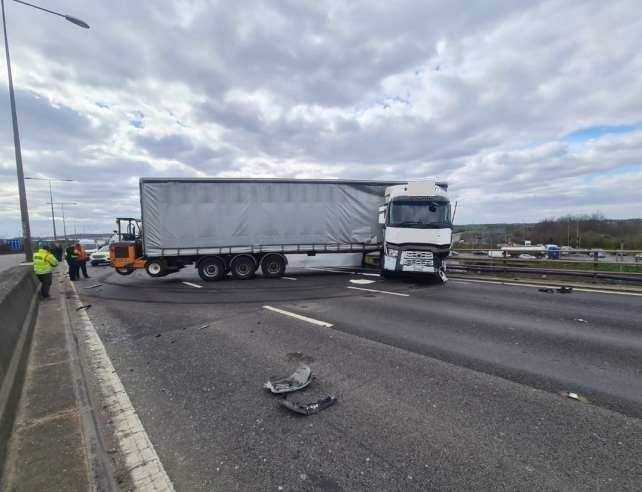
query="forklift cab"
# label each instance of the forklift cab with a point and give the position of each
(126, 253)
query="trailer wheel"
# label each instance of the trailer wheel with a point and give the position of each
(210, 269)
(243, 267)
(124, 271)
(155, 268)
(273, 266)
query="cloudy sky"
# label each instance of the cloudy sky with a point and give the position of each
(529, 109)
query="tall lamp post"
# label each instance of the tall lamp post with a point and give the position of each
(53, 217)
(62, 209)
(24, 211)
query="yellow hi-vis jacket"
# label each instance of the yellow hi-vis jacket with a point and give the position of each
(43, 262)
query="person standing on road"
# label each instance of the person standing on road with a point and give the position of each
(72, 260)
(43, 265)
(82, 259)
(57, 251)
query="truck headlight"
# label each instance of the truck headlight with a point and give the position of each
(392, 252)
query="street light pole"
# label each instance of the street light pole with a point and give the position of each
(53, 217)
(24, 211)
(62, 209)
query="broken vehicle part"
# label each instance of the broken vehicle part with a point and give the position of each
(547, 290)
(565, 290)
(299, 379)
(309, 408)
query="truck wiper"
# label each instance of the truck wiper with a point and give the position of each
(406, 223)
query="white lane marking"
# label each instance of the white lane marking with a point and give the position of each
(361, 281)
(380, 291)
(193, 285)
(369, 274)
(579, 289)
(145, 467)
(298, 316)
(288, 278)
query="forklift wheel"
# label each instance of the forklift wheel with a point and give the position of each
(124, 271)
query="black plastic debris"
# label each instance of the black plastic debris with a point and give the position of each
(299, 379)
(86, 306)
(309, 408)
(547, 290)
(565, 290)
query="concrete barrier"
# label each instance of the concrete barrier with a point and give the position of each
(18, 310)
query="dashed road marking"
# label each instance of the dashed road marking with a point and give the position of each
(145, 467)
(193, 285)
(298, 316)
(288, 278)
(380, 291)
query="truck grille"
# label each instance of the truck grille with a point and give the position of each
(419, 258)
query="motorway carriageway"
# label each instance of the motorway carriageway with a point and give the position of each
(457, 386)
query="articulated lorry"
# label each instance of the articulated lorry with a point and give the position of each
(239, 226)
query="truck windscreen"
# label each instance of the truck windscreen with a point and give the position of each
(419, 214)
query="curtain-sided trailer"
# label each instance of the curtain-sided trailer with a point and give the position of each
(238, 226)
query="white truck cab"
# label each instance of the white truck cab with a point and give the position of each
(417, 228)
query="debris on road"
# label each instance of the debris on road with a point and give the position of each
(158, 335)
(581, 320)
(565, 290)
(362, 281)
(574, 396)
(86, 306)
(202, 327)
(299, 379)
(92, 286)
(548, 290)
(309, 408)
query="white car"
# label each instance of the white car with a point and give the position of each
(100, 257)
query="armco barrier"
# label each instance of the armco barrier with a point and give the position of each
(18, 311)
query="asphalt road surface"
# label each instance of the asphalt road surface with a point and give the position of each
(8, 261)
(463, 386)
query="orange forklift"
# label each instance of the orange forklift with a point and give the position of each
(127, 254)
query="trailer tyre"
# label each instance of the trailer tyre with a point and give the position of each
(243, 267)
(210, 269)
(155, 268)
(273, 266)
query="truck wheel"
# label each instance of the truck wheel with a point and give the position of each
(155, 268)
(124, 271)
(210, 269)
(242, 267)
(273, 266)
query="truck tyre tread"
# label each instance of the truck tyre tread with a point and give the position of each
(243, 267)
(273, 266)
(210, 269)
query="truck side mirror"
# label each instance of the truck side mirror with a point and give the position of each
(382, 215)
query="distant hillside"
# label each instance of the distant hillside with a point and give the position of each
(587, 231)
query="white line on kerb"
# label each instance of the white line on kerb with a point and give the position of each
(193, 285)
(145, 467)
(517, 284)
(380, 291)
(298, 316)
(288, 278)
